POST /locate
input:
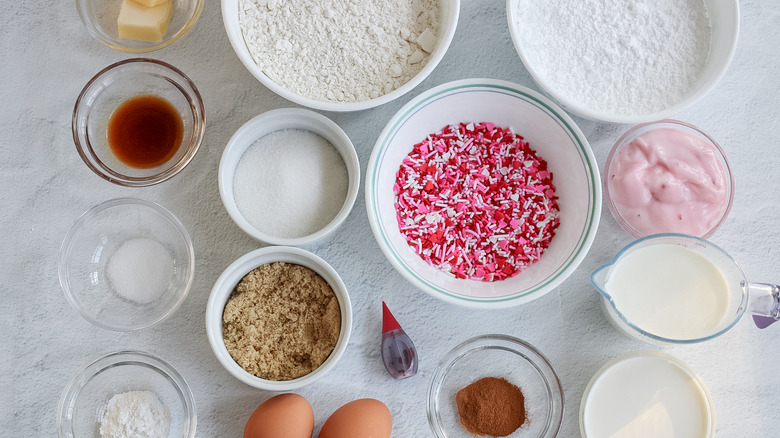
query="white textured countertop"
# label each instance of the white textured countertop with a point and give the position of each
(47, 57)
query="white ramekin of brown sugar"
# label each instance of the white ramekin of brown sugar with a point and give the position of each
(279, 318)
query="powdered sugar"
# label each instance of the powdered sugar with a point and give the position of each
(626, 57)
(340, 50)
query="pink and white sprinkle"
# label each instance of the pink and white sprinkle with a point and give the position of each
(475, 201)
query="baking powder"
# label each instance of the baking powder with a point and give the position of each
(135, 414)
(340, 50)
(617, 56)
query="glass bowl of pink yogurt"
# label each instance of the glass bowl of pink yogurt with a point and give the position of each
(668, 176)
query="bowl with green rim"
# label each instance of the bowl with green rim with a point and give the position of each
(551, 133)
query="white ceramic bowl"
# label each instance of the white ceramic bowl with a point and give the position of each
(86, 253)
(275, 120)
(86, 395)
(227, 282)
(449, 12)
(724, 19)
(549, 131)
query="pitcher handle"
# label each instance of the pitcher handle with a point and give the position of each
(764, 303)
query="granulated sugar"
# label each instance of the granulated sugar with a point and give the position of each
(625, 57)
(340, 50)
(290, 183)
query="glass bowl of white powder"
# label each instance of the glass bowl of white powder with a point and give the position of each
(127, 394)
(289, 177)
(625, 61)
(340, 55)
(126, 264)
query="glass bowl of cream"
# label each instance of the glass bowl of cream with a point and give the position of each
(646, 394)
(126, 264)
(668, 176)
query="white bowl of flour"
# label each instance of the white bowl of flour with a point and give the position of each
(629, 61)
(340, 55)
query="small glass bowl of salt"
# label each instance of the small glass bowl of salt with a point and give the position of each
(126, 264)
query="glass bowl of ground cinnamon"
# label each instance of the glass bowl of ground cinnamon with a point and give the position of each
(279, 318)
(495, 386)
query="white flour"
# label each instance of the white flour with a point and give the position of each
(135, 414)
(340, 50)
(618, 56)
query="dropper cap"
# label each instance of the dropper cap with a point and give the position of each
(388, 320)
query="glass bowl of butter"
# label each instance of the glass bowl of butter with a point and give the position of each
(138, 25)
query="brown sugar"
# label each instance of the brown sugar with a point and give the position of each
(491, 406)
(281, 322)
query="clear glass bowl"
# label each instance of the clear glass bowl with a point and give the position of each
(110, 88)
(86, 253)
(630, 225)
(497, 356)
(100, 19)
(84, 399)
(549, 131)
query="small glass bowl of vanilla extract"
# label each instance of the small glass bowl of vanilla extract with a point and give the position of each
(138, 122)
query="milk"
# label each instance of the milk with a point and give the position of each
(669, 291)
(646, 395)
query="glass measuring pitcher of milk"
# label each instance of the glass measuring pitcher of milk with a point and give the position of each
(676, 288)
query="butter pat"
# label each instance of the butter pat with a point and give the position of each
(140, 22)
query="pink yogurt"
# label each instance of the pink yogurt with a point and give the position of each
(669, 179)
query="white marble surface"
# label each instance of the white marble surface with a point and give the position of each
(47, 57)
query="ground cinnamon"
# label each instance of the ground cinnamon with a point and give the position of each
(491, 406)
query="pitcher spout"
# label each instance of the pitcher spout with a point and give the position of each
(599, 280)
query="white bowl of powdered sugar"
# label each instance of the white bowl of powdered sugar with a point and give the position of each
(625, 61)
(340, 55)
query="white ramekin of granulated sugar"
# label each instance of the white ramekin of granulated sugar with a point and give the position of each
(289, 177)
(625, 61)
(340, 55)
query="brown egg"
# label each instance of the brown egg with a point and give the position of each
(364, 418)
(282, 416)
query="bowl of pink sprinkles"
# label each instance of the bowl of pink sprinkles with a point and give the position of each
(483, 193)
